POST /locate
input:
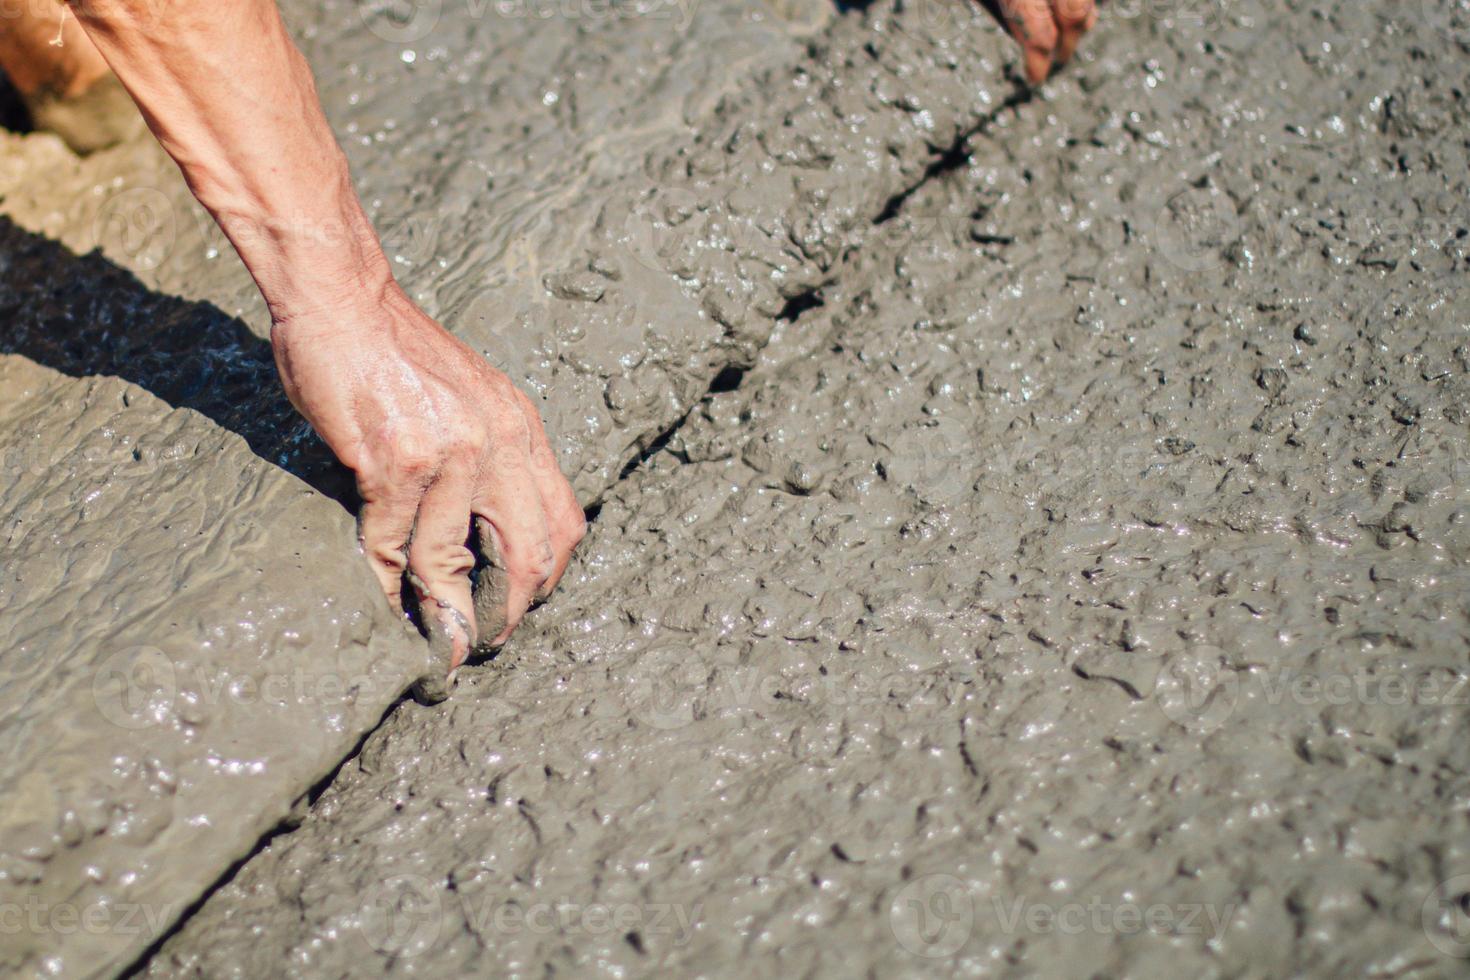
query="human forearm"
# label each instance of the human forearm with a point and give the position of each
(441, 442)
(233, 102)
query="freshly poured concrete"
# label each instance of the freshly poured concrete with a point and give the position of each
(894, 660)
(175, 673)
(569, 288)
(1079, 591)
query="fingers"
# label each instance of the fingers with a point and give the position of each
(430, 488)
(384, 526)
(439, 563)
(566, 523)
(1048, 31)
(1074, 18)
(500, 593)
(1032, 24)
(510, 503)
(492, 586)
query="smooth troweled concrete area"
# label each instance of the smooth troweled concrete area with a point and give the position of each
(175, 674)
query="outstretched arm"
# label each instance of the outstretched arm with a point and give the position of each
(435, 436)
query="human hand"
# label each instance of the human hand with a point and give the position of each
(436, 438)
(1048, 30)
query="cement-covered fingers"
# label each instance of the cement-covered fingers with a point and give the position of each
(442, 444)
(1048, 30)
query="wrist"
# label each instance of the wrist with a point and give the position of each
(310, 262)
(306, 281)
(300, 230)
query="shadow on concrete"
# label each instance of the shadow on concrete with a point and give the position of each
(84, 315)
(13, 114)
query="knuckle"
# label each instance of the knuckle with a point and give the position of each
(373, 484)
(466, 443)
(534, 564)
(1073, 13)
(1026, 11)
(512, 430)
(415, 460)
(395, 448)
(575, 528)
(434, 562)
(388, 556)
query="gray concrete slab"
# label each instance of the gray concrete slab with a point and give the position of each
(189, 643)
(1079, 591)
(623, 220)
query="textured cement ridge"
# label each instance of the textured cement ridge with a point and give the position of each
(175, 678)
(1079, 590)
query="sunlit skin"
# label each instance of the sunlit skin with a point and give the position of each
(435, 436)
(42, 47)
(1047, 30)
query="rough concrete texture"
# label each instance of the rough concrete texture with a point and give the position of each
(175, 673)
(159, 307)
(554, 261)
(1079, 590)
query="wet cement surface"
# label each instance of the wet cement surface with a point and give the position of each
(153, 567)
(173, 680)
(618, 348)
(1080, 589)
